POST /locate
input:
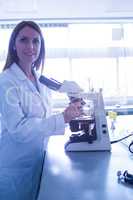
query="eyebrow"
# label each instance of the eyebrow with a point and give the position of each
(24, 36)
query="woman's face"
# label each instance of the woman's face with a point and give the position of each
(28, 45)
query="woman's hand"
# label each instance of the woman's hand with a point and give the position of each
(72, 111)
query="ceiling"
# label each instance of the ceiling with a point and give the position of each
(65, 10)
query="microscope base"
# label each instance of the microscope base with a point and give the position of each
(103, 145)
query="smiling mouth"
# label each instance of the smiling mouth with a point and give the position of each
(30, 55)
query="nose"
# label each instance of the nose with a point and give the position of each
(30, 45)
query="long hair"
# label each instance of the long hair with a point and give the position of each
(12, 55)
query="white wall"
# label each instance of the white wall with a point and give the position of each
(49, 9)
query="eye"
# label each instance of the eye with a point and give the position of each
(36, 41)
(24, 40)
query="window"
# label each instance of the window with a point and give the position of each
(95, 55)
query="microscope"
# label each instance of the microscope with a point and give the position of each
(89, 132)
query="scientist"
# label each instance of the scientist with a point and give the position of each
(25, 114)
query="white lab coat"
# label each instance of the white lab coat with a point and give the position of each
(25, 125)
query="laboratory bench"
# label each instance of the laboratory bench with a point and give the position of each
(84, 175)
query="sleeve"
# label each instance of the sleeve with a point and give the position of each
(21, 127)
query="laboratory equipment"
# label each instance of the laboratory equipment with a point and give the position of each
(90, 131)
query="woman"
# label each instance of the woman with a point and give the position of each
(25, 111)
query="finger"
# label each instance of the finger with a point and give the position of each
(77, 105)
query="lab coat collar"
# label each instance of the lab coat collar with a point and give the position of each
(18, 72)
(20, 75)
(37, 76)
